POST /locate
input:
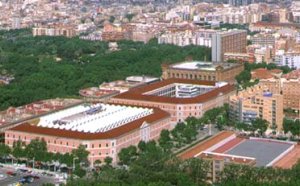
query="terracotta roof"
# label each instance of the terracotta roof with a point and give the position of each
(275, 24)
(114, 133)
(202, 146)
(277, 71)
(138, 93)
(261, 73)
(295, 74)
(230, 158)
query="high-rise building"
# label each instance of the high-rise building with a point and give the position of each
(240, 2)
(232, 41)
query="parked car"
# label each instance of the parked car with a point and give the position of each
(2, 176)
(26, 179)
(10, 173)
(35, 177)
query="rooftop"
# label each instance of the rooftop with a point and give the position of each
(228, 158)
(264, 151)
(295, 74)
(143, 93)
(224, 145)
(96, 121)
(95, 92)
(262, 73)
(201, 65)
(144, 79)
(93, 117)
(17, 114)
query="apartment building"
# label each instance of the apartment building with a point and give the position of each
(189, 37)
(257, 102)
(289, 58)
(263, 40)
(240, 57)
(233, 41)
(67, 31)
(288, 85)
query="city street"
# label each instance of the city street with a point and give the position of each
(7, 180)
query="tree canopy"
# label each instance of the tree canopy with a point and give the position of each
(51, 67)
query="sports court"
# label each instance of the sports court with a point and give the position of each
(264, 151)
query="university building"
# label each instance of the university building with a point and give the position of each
(104, 129)
(205, 71)
(181, 98)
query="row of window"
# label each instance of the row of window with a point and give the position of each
(195, 76)
(61, 142)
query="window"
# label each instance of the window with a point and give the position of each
(54, 141)
(67, 144)
(99, 145)
(145, 132)
(106, 144)
(92, 146)
(112, 144)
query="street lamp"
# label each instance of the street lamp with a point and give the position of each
(75, 158)
(33, 163)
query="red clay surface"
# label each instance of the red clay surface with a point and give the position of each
(229, 145)
(290, 159)
(202, 146)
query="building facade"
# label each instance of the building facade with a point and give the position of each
(103, 132)
(181, 98)
(233, 41)
(290, 59)
(66, 31)
(257, 102)
(288, 86)
(207, 71)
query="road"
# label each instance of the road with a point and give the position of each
(8, 180)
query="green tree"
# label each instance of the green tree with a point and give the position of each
(165, 140)
(18, 150)
(79, 171)
(81, 153)
(129, 17)
(108, 160)
(260, 125)
(97, 163)
(127, 155)
(4, 150)
(197, 169)
(37, 149)
(111, 19)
